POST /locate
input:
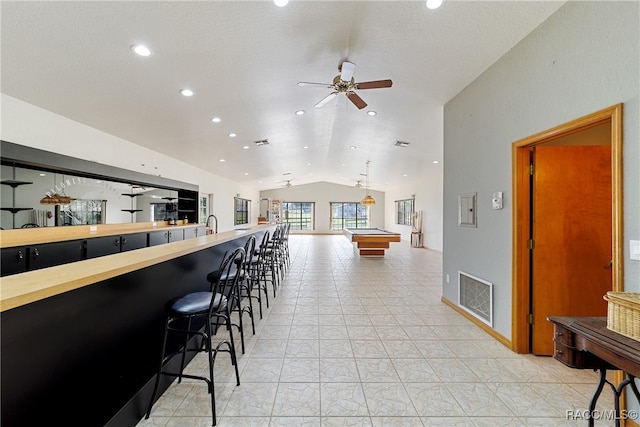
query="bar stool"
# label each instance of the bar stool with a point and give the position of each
(285, 246)
(269, 266)
(273, 260)
(232, 284)
(197, 316)
(246, 284)
(258, 271)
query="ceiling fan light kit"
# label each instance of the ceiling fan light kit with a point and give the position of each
(345, 83)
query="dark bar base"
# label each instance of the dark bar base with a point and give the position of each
(88, 357)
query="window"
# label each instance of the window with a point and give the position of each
(164, 211)
(404, 211)
(241, 211)
(80, 212)
(299, 215)
(203, 212)
(349, 215)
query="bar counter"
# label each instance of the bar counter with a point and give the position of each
(35, 285)
(81, 341)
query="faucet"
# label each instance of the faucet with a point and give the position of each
(214, 217)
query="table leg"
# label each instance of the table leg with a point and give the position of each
(630, 381)
(633, 386)
(596, 395)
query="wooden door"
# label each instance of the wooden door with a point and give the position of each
(571, 221)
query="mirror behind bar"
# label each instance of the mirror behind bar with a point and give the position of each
(100, 194)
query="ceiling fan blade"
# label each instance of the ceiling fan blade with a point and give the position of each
(346, 71)
(326, 99)
(329, 85)
(357, 101)
(376, 84)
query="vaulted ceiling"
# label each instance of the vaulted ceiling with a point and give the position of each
(243, 60)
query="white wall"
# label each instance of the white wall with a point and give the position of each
(323, 193)
(584, 58)
(26, 124)
(428, 198)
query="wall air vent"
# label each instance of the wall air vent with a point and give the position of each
(476, 296)
(261, 142)
(401, 144)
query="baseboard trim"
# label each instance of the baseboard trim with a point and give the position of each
(492, 332)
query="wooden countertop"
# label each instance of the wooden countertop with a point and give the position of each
(24, 288)
(39, 235)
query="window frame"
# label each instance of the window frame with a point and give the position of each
(404, 216)
(285, 218)
(359, 207)
(88, 211)
(205, 204)
(241, 211)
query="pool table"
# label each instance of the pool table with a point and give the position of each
(371, 241)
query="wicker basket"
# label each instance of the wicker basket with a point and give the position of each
(623, 313)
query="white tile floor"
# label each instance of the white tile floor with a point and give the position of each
(352, 341)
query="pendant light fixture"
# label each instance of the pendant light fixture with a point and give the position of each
(368, 200)
(56, 199)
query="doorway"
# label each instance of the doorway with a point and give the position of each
(563, 225)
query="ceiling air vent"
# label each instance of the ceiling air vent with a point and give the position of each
(261, 142)
(401, 144)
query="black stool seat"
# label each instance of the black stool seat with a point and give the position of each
(196, 303)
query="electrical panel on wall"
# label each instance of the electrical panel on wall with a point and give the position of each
(467, 210)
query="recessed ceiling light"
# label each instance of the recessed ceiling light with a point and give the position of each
(300, 112)
(232, 135)
(435, 162)
(186, 92)
(142, 50)
(308, 164)
(281, 3)
(246, 173)
(353, 147)
(245, 147)
(305, 147)
(216, 120)
(43, 174)
(371, 113)
(404, 174)
(434, 4)
(222, 160)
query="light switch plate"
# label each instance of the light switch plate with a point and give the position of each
(634, 249)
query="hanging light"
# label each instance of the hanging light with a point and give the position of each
(368, 200)
(55, 199)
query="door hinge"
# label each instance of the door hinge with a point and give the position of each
(530, 318)
(531, 244)
(532, 169)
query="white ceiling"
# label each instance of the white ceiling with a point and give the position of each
(243, 60)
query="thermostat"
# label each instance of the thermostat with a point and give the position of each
(497, 200)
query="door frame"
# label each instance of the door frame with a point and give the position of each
(520, 331)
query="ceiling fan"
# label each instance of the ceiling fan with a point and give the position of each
(359, 183)
(345, 83)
